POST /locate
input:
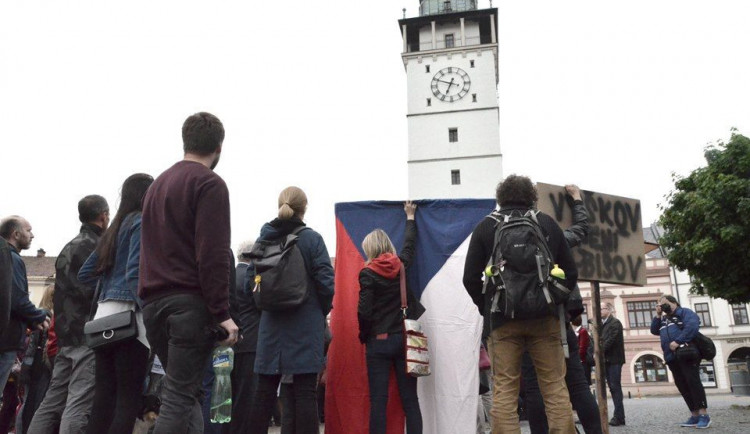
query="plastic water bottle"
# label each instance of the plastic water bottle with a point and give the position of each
(221, 398)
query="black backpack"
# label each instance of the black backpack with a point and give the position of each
(281, 282)
(520, 284)
(706, 346)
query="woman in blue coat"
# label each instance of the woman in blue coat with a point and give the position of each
(290, 342)
(678, 327)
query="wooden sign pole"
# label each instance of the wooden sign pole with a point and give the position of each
(601, 388)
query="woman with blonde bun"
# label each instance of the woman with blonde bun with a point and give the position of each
(290, 342)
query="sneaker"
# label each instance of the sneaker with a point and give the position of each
(616, 422)
(693, 421)
(704, 421)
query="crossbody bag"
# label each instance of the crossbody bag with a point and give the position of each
(105, 332)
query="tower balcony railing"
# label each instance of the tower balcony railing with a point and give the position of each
(435, 7)
(441, 45)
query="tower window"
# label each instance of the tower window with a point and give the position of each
(473, 97)
(449, 40)
(452, 135)
(427, 68)
(429, 102)
(455, 177)
(471, 63)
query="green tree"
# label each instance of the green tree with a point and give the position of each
(707, 222)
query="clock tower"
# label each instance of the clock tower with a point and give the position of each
(450, 55)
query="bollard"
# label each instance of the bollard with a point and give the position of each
(629, 397)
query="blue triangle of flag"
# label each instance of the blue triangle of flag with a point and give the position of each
(442, 225)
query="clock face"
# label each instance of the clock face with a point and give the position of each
(450, 84)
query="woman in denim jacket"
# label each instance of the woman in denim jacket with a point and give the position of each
(120, 369)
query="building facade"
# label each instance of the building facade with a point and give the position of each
(40, 272)
(645, 372)
(450, 55)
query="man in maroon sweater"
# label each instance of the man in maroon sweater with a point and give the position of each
(184, 271)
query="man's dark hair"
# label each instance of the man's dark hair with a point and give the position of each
(90, 207)
(9, 225)
(202, 134)
(516, 190)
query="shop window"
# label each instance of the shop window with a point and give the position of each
(707, 374)
(650, 369)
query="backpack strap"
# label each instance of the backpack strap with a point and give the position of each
(298, 229)
(293, 235)
(498, 225)
(563, 331)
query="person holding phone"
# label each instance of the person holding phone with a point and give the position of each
(677, 327)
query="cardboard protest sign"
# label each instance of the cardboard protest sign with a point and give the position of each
(613, 251)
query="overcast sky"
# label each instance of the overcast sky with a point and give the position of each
(614, 96)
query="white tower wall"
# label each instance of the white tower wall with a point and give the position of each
(454, 142)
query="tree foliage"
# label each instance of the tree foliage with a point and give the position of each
(707, 222)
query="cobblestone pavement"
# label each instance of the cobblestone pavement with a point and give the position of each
(729, 414)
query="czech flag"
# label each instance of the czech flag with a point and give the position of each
(449, 397)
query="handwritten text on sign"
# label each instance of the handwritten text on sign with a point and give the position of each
(613, 252)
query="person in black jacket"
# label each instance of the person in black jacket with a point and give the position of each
(246, 315)
(583, 401)
(71, 392)
(510, 338)
(612, 343)
(17, 232)
(6, 282)
(381, 323)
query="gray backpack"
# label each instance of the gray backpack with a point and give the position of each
(281, 282)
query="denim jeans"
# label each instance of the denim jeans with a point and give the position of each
(583, 401)
(614, 372)
(70, 396)
(177, 328)
(302, 406)
(541, 338)
(382, 356)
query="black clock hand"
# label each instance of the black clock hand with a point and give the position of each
(450, 83)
